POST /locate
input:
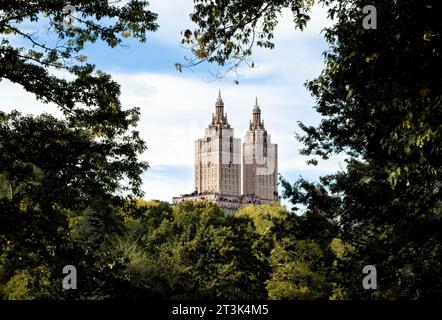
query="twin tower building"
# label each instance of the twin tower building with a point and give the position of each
(219, 169)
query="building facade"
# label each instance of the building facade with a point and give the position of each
(218, 166)
(218, 157)
(260, 161)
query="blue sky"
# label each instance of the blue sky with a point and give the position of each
(176, 107)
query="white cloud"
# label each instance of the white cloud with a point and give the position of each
(14, 97)
(297, 55)
(285, 31)
(173, 17)
(162, 186)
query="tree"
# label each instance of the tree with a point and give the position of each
(61, 179)
(294, 274)
(298, 250)
(380, 103)
(60, 205)
(91, 99)
(201, 253)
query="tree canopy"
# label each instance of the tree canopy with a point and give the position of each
(61, 179)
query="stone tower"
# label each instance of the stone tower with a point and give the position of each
(260, 159)
(217, 157)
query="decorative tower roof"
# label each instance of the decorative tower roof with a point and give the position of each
(219, 119)
(219, 101)
(256, 123)
(256, 107)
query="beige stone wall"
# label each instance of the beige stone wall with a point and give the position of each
(217, 163)
(260, 165)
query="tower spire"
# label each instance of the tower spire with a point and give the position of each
(219, 100)
(219, 118)
(256, 115)
(219, 105)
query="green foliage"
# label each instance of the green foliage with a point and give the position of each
(263, 216)
(390, 207)
(17, 287)
(301, 263)
(207, 254)
(90, 99)
(61, 178)
(293, 277)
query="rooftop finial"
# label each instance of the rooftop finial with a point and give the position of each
(219, 101)
(257, 116)
(256, 107)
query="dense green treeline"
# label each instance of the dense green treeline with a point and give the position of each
(191, 251)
